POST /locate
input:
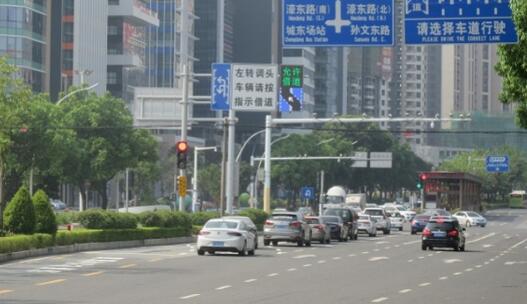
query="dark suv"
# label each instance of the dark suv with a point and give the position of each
(349, 218)
(443, 232)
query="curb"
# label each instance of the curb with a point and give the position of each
(6, 257)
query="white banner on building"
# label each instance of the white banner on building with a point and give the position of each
(254, 87)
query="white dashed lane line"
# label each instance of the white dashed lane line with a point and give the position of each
(379, 300)
(425, 284)
(443, 278)
(272, 274)
(190, 296)
(223, 287)
(250, 280)
(405, 291)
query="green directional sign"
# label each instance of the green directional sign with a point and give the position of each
(292, 76)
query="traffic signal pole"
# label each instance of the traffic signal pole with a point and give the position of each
(185, 70)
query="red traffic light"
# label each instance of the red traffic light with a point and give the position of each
(422, 176)
(181, 146)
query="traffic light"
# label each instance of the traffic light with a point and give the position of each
(421, 183)
(182, 185)
(182, 149)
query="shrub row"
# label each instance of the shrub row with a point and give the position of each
(35, 241)
(167, 219)
(101, 219)
(257, 216)
(200, 218)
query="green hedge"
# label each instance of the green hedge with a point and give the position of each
(70, 217)
(26, 242)
(256, 215)
(101, 219)
(166, 219)
(200, 218)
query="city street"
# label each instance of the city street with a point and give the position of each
(385, 269)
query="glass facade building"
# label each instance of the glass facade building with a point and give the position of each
(23, 36)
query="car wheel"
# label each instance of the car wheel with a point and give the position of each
(211, 251)
(386, 231)
(256, 243)
(371, 235)
(456, 248)
(462, 248)
(201, 252)
(250, 252)
(400, 228)
(482, 226)
(430, 248)
(322, 241)
(275, 243)
(423, 247)
(243, 252)
(328, 241)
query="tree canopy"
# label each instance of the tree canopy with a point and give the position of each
(512, 65)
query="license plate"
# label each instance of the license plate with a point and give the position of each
(281, 226)
(439, 234)
(217, 244)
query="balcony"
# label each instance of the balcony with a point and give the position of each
(25, 3)
(133, 11)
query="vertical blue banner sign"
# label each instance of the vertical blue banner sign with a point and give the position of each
(337, 23)
(459, 22)
(220, 91)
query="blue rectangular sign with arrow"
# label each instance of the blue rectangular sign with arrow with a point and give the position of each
(497, 164)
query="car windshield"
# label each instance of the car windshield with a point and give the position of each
(331, 219)
(312, 221)
(445, 226)
(222, 224)
(473, 214)
(373, 212)
(284, 217)
(401, 208)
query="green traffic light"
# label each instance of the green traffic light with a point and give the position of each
(419, 185)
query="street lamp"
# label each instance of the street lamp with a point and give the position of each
(195, 178)
(75, 92)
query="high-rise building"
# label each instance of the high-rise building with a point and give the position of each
(25, 39)
(329, 81)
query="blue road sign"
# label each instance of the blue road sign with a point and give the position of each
(220, 90)
(497, 164)
(295, 101)
(459, 21)
(308, 193)
(337, 23)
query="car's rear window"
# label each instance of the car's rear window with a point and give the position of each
(422, 217)
(312, 221)
(222, 224)
(373, 212)
(445, 226)
(343, 213)
(284, 217)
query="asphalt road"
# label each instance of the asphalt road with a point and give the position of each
(385, 269)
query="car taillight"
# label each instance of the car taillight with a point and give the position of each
(319, 227)
(234, 233)
(427, 232)
(414, 222)
(204, 232)
(268, 223)
(453, 233)
(295, 224)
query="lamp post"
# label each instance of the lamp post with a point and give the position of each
(75, 92)
(195, 177)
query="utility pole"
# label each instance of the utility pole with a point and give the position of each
(223, 158)
(126, 186)
(185, 69)
(321, 200)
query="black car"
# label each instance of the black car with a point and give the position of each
(337, 230)
(443, 232)
(349, 218)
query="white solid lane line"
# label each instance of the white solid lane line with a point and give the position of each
(379, 300)
(425, 284)
(223, 287)
(272, 274)
(304, 256)
(405, 290)
(250, 280)
(190, 296)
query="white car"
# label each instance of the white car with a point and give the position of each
(396, 220)
(367, 225)
(408, 214)
(252, 227)
(470, 218)
(226, 235)
(381, 220)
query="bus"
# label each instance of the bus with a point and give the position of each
(517, 199)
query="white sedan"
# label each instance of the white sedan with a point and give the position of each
(470, 218)
(226, 235)
(367, 225)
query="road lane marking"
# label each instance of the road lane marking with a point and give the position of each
(375, 250)
(375, 259)
(443, 278)
(478, 266)
(127, 266)
(488, 245)
(387, 247)
(518, 244)
(410, 261)
(482, 238)
(457, 273)
(50, 282)
(486, 263)
(382, 242)
(412, 242)
(307, 265)
(321, 262)
(272, 274)
(365, 252)
(379, 300)
(430, 254)
(250, 280)
(397, 246)
(352, 255)
(337, 258)
(155, 260)
(91, 274)
(299, 250)
(291, 269)
(469, 269)
(492, 260)
(223, 287)
(304, 256)
(425, 284)
(190, 296)
(450, 261)
(405, 291)
(421, 257)
(4, 291)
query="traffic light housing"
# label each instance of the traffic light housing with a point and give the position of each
(182, 151)
(421, 182)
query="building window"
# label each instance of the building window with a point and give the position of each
(112, 77)
(113, 30)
